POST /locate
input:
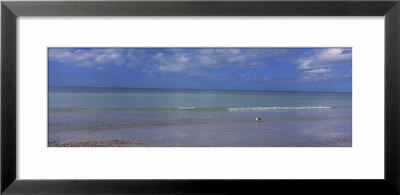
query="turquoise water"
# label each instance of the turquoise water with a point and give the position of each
(172, 117)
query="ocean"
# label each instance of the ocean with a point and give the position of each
(205, 118)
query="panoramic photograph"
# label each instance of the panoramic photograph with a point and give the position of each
(199, 97)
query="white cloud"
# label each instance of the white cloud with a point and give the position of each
(305, 63)
(189, 61)
(319, 71)
(321, 65)
(325, 57)
(106, 58)
(236, 58)
(182, 59)
(159, 55)
(196, 62)
(334, 54)
(86, 57)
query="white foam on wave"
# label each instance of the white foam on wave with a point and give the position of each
(186, 108)
(279, 108)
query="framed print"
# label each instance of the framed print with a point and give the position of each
(200, 90)
(199, 97)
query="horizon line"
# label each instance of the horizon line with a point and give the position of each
(204, 89)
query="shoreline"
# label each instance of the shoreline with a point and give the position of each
(99, 143)
(345, 142)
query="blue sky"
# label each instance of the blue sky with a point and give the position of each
(278, 69)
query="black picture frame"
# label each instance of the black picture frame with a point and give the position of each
(11, 10)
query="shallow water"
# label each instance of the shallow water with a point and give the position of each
(161, 117)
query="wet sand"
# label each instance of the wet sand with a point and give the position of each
(101, 143)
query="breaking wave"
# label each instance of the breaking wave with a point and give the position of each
(280, 108)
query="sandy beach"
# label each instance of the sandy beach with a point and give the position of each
(102, 143)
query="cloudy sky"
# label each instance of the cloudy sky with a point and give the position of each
(294, 69)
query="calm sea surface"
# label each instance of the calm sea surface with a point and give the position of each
(169, 117)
